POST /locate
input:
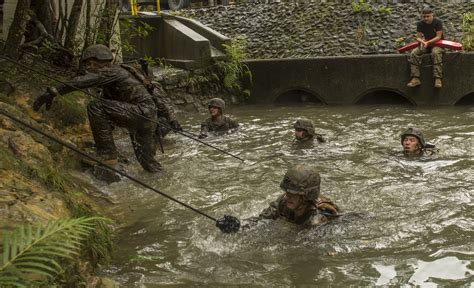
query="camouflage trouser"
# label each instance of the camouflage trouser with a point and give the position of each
(105, 113)
(436, 56)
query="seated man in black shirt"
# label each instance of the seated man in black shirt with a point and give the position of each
(428, 31)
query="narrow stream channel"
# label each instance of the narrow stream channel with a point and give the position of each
(413, 222)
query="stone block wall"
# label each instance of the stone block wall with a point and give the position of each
(310, 29)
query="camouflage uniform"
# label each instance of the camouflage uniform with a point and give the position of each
(164, 111)
(210, 125)
(425, 148)
(416, 58)
(304, 181)
(218, 127)
(307, 125)
(126, 103)
(429, 32)
(318, 212)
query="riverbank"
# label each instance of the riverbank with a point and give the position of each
(44, 181)
(40, 178)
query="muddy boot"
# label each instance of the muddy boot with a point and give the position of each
(438, 84)
(414, 82)
(109, 159)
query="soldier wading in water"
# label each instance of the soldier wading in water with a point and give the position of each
(217, 123)
(301, 203)
(414, 143)
(125, 102)
(305, 133)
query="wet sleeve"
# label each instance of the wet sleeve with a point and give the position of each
(89, 80)
(271, 212)
(315, 220)
(204, 127)
(162, 109)
(320, 138)
(232, 123)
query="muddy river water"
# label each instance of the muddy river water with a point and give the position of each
(413, 223)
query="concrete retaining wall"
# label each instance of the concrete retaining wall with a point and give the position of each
(347, 80)
(184, 43)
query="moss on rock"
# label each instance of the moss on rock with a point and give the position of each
(68, 110)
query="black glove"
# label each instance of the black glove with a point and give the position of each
(175, 125)
(45, 98)
(228, 224)
(320, 138)
(202, 136)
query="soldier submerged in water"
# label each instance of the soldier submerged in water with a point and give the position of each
(414, 143)
(305, 133)
(125, 102)
(301, 203)
(218, 122)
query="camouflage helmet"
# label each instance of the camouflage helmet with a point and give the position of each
(302, 180)
(217, 102)
(306, 125)
(99, 52)
(413, 132)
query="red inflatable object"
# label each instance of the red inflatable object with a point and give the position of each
(441, 43)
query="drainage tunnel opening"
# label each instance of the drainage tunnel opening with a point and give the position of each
(383, 97)
(466, 100)
(297, 97)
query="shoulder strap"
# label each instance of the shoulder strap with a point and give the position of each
(326, 205)
(138, 74)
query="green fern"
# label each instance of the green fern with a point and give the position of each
(29, 251)
(233, 68)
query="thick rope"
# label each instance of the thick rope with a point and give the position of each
(186, 134)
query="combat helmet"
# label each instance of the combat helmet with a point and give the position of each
(414, 132)
(305, 124)
(302, 180)
(99, 52)
(217, 102)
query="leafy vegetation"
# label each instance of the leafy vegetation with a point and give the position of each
(131, 30)
(467, 28)
(233, 69)
(361, 7)
(384, 9)
(32, 256)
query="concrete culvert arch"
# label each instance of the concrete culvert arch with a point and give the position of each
(383, 96)
(297, 96)
(466, 100)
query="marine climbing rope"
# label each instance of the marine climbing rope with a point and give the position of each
(186, 134)
(227, 224)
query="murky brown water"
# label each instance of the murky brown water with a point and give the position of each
(416, 223)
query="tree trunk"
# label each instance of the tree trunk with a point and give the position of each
(43, 12)
(17, 29)
(88, 20)
(64, 21)
(73, 23)
(107, 21)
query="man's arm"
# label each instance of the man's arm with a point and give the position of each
(420, 37)
(232, 123)
(79, 82)
(204, 130)
(88, 80)
(270, 213)
(439, 36)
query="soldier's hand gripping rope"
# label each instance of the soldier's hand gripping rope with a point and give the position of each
(47, 98)
(227, 224)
